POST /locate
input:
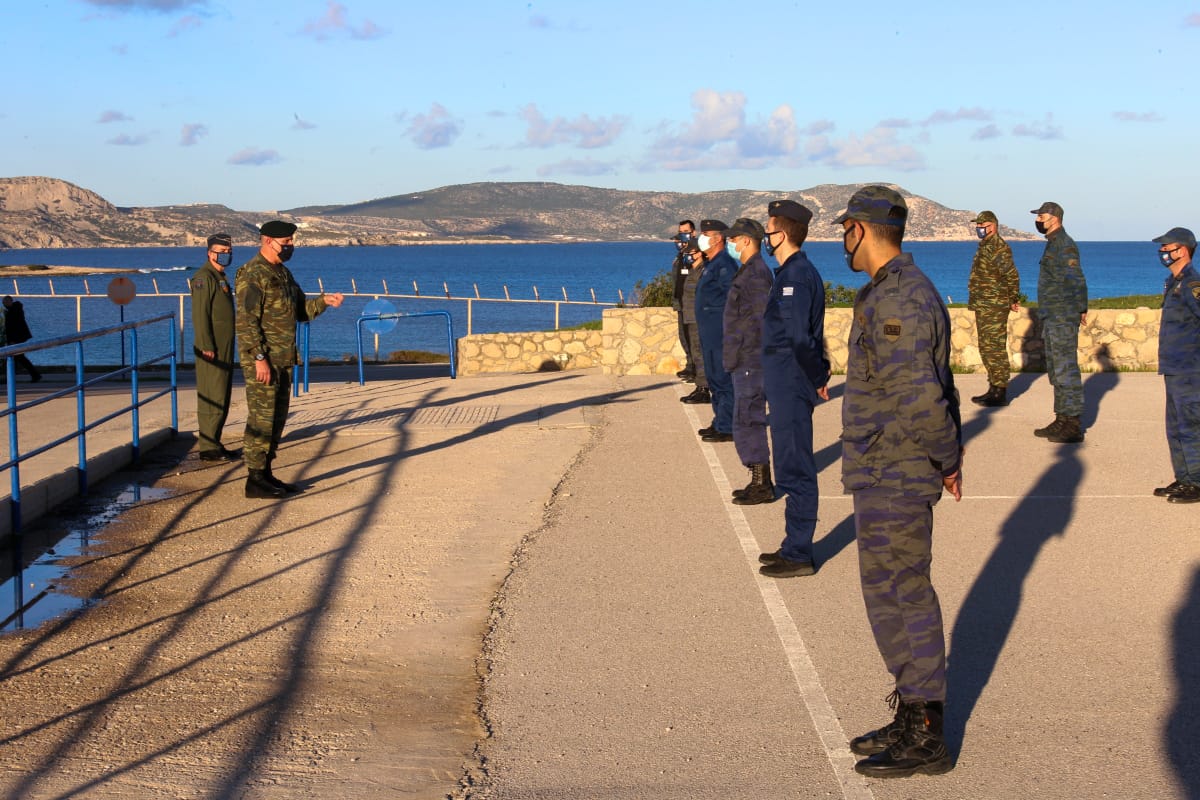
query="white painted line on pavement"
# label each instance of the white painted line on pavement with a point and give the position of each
(833, 738)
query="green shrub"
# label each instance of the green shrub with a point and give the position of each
(659, 292)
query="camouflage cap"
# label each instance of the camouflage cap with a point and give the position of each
(877, 204)
(277, 229)
(744, 226)
(1053, 209)
(712, 225)
(789, 209)
(986, 216)
(220, 238)
(1177, 236)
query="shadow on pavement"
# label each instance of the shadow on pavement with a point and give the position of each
(990, 607)
(1180, 732)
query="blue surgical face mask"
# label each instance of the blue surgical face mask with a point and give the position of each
(731, 248)
(981, 232)
(224, 259)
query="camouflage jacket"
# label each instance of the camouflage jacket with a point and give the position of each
(994, 282)
(1179, 333)
(1062, 289)
(687, 300)
(744, 307)
(901, 428)
(212, 313)
(270, 303)
(794, 330)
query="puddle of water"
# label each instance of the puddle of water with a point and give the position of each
(34, 567)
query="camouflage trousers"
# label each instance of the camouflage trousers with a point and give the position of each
(214, 388)
(1061, 335)
(266, 413)
(895, 543)
(992, 325)
(695, 354)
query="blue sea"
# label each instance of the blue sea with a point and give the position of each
(610, 270)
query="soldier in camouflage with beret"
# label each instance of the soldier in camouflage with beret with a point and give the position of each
(212, 342)
(270, 303)
(993, 290)
(1062, 303)
(901, 447)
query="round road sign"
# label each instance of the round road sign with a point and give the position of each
(379, 306)
(121, 291)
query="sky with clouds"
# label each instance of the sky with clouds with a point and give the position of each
(275, 104)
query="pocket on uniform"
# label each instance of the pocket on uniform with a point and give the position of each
(860, 468)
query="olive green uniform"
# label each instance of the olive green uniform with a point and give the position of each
(994, 286)
(270, 303)
(212, 331)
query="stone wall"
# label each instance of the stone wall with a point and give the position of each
(644, 341)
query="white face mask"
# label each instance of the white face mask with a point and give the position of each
(705, 241)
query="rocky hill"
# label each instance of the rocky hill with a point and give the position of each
(46, 212)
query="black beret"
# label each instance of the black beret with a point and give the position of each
(277, 229)
(789, 209)
(707, 225)
(220, 238)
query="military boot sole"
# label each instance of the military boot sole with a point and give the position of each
(755, 497)
(257, 492)
(903, 768)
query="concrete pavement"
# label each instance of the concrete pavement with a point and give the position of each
(534, 586)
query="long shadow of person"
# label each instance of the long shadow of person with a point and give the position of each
(990, 608)
(1180, 731)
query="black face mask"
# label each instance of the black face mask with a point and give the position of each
(1041, 227)
(766, 243)
(850, 253)
(285, 251)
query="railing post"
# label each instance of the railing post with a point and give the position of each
(14, 447)
(81, 417)
(175, 340)
(470, 302)
(133, 383)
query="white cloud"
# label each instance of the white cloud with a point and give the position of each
(125, 140)
(878, 147)
(302, 124)
(1134, 116)
(335, 23)
(583, 131)
(1045, 129)
(113, 116)
(970, 114)
(162, 6)
(253, 157)
(986, 132)
(192, 133)
(433, 130)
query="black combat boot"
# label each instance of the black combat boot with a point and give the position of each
(994, 397)
(920, 748)
(290, 488)
(1050, 429)
(257, 486)
(698, 396)
(1070, 432)
(877, 741)
(759, 490)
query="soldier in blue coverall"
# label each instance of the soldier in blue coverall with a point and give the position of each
(901, 446)
(1062, 304)
(795, 374)
(742, 356)
(1179, 363)
(711, 292)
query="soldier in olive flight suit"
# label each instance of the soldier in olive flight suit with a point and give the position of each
(212, 342)
(901, 447)
(270, 303)
(1062, 303)
(993, 290)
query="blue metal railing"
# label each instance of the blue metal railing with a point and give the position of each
(398, 315)
(16, 457)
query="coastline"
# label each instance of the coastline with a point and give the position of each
(50, 270)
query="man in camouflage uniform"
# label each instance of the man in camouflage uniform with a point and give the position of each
(1179, 363)
(993, 290)
(901, 447)
(680, 269)
(741, 355)
(1062, 303)
(212, 342)
(270, 303)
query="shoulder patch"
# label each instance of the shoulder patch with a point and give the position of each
(891, 328)
(197, 283)
(788, 291)
(1194, 288)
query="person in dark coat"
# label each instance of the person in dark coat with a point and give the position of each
(711, 291)
(16, 331)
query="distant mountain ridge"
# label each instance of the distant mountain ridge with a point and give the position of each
(48, 212)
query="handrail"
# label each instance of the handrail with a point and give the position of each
(358, 324)
(16, 457)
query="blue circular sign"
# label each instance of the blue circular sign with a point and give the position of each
(379, 306)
